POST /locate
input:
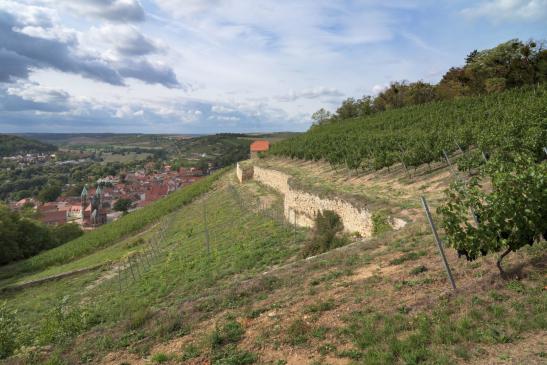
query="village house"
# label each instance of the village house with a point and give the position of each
(259, 146)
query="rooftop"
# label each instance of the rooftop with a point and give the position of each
(260, 146)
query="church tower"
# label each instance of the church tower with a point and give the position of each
(83, 200)
(99, 195)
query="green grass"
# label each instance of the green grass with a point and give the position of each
(110, 233)
(242, 244)
(126, 157)
(452, 329)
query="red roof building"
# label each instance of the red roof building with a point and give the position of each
(259, 146)
(54, 217)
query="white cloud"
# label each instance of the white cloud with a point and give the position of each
(314, 93)
(125, 39)
(221, 109)
(37, 93)
(112, 10)
(376, 89)
(512, 10)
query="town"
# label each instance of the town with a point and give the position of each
(111, 197)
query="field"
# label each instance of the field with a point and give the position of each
(125, 157)
(248, 296)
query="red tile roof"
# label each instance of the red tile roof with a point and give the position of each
(55, 217)
(260, 146)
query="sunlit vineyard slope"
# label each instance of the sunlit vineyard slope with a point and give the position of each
(511, 121)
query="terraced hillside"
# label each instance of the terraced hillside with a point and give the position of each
(221, 280)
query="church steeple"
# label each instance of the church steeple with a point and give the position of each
(83, 200)
(83, 195)
(99, 195)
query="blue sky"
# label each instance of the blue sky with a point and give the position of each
(205, 66)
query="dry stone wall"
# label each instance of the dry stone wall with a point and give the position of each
(243, 174)
(301, 207)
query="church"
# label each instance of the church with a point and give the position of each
(93, 212)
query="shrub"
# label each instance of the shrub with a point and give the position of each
(418, 270)
(297, 333)
(230, 332)
(138, 319)
(160, 357)
(380, 223)
(230, 355)
(9, 331)
(324, 235)
(63, 322)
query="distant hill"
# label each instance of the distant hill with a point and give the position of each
(12, 145)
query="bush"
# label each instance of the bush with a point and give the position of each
(380, 223)
(230, 332)
(324, 235)
(160, 357)
(298, 332)
(63, 322)
(9, 331)
(66, 232)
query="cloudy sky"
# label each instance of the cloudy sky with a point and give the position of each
(204, 66)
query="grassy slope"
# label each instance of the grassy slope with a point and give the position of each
(385, 300)
(242, 244)
(107, 234)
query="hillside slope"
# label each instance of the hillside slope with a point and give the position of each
(220, 281)
(12, 145)
(500, 123)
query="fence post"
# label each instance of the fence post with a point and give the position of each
(206, 230)
(439, 243)
(131, 268)
(137, 266)
(295, 226)
(484, 156)
(146, 257)
(459, 147)
(449, 164)
(120, 277)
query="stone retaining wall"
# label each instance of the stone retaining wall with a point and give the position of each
(244, 174)
(301, 207)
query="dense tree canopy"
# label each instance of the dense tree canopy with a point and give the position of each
(12, 145)
(22, 237)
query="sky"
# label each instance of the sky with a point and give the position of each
(209, 66)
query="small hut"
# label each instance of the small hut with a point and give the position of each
(259, 146)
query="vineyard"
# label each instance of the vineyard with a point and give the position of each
(497, 124)
(108, 234)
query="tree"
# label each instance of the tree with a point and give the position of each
(64, 233)
(49, 193)
(513, 214)
(348, 109)
(321, 116)
(122, 205)
(365, 106)
(203, 165)
(9, 247)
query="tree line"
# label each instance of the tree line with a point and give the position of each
(511, 64)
